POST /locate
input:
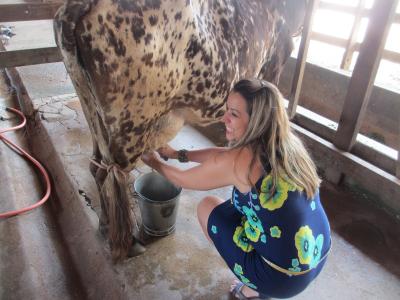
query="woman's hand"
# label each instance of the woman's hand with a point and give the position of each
(167, 152)
(151, 159)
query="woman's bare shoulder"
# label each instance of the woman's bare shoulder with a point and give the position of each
(239, 161)
(233, 159)
(243, 155)
(238, 155)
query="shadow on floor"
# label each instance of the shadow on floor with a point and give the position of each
(365, 226)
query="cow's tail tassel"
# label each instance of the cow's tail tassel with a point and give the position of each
(120, 219)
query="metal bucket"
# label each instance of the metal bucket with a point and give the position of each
(158, 202)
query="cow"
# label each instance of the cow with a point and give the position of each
(141, 68)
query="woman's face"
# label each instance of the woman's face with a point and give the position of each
(236, 118)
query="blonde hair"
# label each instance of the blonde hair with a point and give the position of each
(271, 139)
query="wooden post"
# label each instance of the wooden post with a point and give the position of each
(301, 58)
(398, 153)
(364, 73)
(352, 41)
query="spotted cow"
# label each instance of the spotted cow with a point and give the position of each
(141, 68)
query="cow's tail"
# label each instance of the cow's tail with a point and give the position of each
(119, 213)
(65, 22)
(113, 188)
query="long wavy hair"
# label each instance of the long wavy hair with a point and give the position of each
(270, 137)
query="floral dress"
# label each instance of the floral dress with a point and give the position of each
(286, 229)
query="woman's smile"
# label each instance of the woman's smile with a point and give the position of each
(236, 117)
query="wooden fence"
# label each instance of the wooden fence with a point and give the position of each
(381, 16)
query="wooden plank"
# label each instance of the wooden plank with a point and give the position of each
(328, 39)
(396, 18)
(351, 42)
(340, 42)
(364, 73)
(361, 150)
(2, 46)
(398, 164)
(28, 11)
(17, 58)
(398, 156)
(371, 177)
(350, 10)
(378, 159)
(391, 56)
(301, 58)
(337, 7)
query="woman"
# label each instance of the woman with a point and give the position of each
(273, 233)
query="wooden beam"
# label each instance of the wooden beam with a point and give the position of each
(391, 56)
(398, 158)
(17, 58)
(329, 39)
(351, 10)
(364, 73)
(301, 58)
(326, 132)
(340, 42)
(398, 164)
(396, 18)
(374, 179)
(28, 11)
(351, 42)
(337, 7)
(2, 47)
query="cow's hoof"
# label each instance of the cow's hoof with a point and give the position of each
(136, 249)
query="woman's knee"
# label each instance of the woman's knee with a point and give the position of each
(205, 207)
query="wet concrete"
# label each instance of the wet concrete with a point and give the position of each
(366, 227)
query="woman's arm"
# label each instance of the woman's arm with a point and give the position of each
(215, 172)
(198, 156)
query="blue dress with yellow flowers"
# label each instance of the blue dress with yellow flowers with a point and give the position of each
(287, 229)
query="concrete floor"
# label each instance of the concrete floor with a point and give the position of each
(56, 252)
(34, 263)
